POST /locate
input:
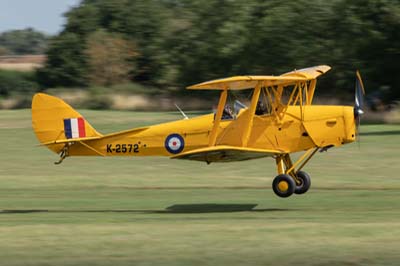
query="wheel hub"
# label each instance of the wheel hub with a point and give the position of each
(283, 186)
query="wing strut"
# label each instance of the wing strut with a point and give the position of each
(218, 116)
(251, 113)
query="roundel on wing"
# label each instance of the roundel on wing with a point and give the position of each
(174, 143)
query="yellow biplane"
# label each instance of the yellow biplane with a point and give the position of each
(279, 120)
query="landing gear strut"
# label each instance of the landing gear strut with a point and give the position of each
(289, 180)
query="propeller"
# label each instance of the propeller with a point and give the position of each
(359, 102)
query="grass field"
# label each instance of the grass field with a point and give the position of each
(156, 211)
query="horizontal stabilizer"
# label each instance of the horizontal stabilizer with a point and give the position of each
(225, 154)
(61, 141)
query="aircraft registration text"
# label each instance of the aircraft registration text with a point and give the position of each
(123, 148)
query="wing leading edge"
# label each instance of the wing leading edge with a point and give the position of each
(225, 154)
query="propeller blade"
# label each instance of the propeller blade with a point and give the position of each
(359, 103)
(359, 95)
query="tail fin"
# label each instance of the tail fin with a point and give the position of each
(54, 121)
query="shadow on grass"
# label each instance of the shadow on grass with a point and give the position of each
(178, 208)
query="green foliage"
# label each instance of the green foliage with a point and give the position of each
(373, 38)
(183, 42)
(135, 88)
(110, 58)
(139, 21)
(21, 42)
(66, 64)
(17, 83)
(98, 102)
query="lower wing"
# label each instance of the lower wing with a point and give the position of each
(225, 154)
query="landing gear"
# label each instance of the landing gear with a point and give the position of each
(283, 185)
(289, 180)
(305, 182)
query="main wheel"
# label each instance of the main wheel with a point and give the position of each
(283, 185)
(305, 182)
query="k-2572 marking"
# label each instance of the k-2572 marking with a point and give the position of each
(123, 148)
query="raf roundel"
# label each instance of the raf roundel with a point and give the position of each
(174, 143)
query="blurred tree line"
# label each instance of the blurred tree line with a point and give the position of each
(175, 43)
(20, 42)
(23, 42)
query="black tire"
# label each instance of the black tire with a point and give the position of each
(283, 185)
(305, 182)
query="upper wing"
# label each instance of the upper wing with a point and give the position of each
(247, 82)
(225, 154)
(244, 82)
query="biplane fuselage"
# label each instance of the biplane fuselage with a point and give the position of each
(321, 126)
(279, 120)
